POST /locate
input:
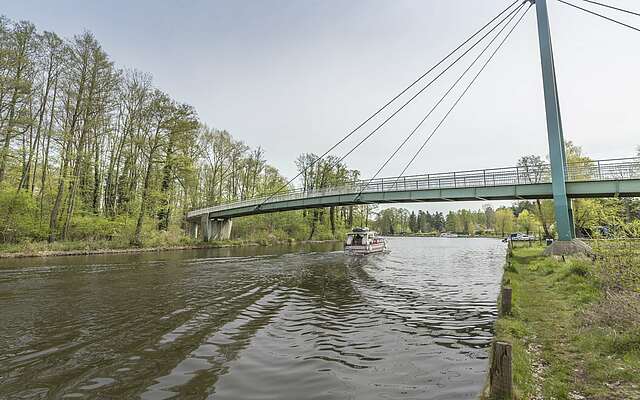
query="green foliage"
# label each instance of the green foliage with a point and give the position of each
(90, 152)
(19, 219)
(579, 268)
(93, 227)
(569, 327)
(505, 221)
(272, 227)
(527, 222)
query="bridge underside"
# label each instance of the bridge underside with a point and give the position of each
(590, 189)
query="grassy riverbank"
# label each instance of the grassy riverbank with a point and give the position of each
(575, 327)
(44, 249)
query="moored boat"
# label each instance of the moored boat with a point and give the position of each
(361, 241)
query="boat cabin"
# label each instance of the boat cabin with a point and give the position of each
(364, 241)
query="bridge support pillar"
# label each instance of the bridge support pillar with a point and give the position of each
(193, 229)
(205, 228)
(213, 229)
(220, 229)
(564, 217)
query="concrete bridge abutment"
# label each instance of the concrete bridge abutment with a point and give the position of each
(207, 229)
(220, 229)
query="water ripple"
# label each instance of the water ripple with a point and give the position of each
(253, 323)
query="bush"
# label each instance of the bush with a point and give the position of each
(174, 236)
(92, 227)
(19, 218)
(579, 268)
(619, 310)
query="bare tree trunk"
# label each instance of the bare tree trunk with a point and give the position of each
(95, 199)
(366, 215)
(545, 225)
(332, 219)
(24, 179)
(137, 238)
(314, 221)
(53, 220)
(45, 162)
(75, 178)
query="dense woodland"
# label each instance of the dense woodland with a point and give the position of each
(90, 152)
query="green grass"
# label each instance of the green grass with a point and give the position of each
(552, 325)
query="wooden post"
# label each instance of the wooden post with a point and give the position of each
(500, 375)
(505, 308)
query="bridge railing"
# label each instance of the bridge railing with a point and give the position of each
(601, 170)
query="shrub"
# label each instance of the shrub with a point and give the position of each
(19, 218)
(619, 310)
(92, 227)
(579, 268)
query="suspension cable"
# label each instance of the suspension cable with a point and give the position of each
(469, 39)
(465, 91)
(464, 73)
(612, 7)
(427, 86)
(600, 15)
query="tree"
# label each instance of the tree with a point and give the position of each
(19, 47)
(504, 221)
(413, 223)
(490, 216)
(535, 171)
(315, 174)
(527, 222)
(466, 221)
(79, 134)
(454, 223)
(438, 222)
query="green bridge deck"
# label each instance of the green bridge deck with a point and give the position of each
(605, 178)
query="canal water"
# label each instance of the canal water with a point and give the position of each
(291, 322)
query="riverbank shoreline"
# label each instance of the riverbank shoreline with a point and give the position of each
(152, 249)
(444, 237)
(569, 328)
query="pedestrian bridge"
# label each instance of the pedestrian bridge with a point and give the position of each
(603, 178)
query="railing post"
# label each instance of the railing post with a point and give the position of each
(599, 171)
(484, 177)
(382, 184)
(518, 175)
(455, 184)
(405, 182)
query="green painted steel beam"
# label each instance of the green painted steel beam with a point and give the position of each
(615, 188)
(564, 220)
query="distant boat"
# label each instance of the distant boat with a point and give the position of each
(361, 241)
(449, 235)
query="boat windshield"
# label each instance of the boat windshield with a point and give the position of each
(355, 239)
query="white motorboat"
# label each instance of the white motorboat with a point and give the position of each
(361, 241)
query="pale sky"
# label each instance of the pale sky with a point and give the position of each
(295, 76)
